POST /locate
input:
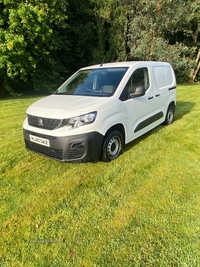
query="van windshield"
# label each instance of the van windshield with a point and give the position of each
(100, 82)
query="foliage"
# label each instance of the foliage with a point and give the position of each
(29, 37)
(82, 33)
(43, 42)
(140, 210)
(155, 29)
(112, 18)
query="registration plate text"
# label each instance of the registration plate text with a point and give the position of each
(39, 140)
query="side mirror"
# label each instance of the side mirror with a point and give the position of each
(139, 91)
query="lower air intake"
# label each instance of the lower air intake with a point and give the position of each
(77, 151)
(47, 151)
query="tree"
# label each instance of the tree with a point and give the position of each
(158, 30)
(194, 21)
(44, 41)
(82, 34)
(29, 38)
(112, 25)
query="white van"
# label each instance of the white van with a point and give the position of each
(101, 108)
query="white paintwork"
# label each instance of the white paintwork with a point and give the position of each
(111, 110)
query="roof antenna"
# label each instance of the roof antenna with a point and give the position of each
(102, 61)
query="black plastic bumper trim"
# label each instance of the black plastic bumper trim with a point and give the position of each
(77, 148)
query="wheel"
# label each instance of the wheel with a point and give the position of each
(112, 146)
(169, 116)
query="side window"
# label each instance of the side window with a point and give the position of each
(138, 78)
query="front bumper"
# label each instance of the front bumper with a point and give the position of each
(77, 148)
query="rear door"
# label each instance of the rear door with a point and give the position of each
(165, 85)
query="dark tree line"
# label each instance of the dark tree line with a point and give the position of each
(42, 42)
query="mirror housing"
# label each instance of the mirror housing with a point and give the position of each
(139, 91)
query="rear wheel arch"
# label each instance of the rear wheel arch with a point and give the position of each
(169, 118)
(173, 105)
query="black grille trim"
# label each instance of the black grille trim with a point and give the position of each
(44, 123)
(47, 151)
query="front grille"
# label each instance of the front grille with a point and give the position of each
(47, 151)
(43, 123)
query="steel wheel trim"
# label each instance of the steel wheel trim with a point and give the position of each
(113, 147)
(170, 116)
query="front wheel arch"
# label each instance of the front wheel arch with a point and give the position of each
(113, 143)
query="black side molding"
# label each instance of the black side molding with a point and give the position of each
(148, 121)
(172, 88)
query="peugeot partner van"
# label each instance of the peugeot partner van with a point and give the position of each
(101, 108)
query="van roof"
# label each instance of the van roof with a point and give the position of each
(127, 64)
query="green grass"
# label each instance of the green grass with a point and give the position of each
(140, 210)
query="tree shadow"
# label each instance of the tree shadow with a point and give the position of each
(182, 108)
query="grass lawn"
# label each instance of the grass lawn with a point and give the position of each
(141, 210)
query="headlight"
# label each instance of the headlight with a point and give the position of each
(85, 119)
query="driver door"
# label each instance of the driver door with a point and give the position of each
(140, 110)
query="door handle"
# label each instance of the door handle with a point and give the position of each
(157, 95)
(150, 97)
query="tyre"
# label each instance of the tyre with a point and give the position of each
(169, 116)
(112, 146)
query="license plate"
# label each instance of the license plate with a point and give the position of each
(39, 140)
